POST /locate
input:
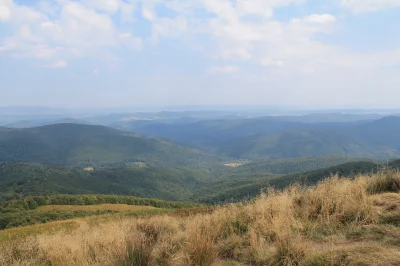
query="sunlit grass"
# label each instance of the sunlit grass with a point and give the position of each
(336, 222)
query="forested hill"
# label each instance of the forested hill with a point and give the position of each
(92, 146)
(29, 179)
(265, 138)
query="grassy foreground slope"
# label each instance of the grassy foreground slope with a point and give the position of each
(335, 222)
(83, 146)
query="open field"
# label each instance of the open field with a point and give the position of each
(233, 165)
(336, 222)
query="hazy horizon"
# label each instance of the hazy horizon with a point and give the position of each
(257, 110)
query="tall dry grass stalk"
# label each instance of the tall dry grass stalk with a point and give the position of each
(295, 226)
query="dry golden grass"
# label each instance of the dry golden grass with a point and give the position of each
(337, 222)
(101, 207)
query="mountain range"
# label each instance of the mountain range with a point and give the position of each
(186, 158)
(271, 138)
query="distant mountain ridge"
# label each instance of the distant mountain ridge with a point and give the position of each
(269, 137)
(88, 145)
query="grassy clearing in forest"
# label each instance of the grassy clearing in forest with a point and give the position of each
(336, 222)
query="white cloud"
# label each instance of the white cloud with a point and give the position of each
(316, 18)
(130, 41)
(71, 29)
(127, 11)
(48, 7)
(110, 6)
(5, 13)
(230, 31)
(58, 64)
(223, 69)
(360, 6)
(169, 27)
(270, 43)
(268, 62)
(148, 14)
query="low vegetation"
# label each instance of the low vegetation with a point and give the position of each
(34, 210)
(339, 221)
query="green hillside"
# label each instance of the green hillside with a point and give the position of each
(295, 165)
(211, 133)
(169, 183)
(293, 144)
(24, 179)
(251, 184)
(92, 146)
(286, 137)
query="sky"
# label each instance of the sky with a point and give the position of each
(110, 53)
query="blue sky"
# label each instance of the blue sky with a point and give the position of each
(108, 53)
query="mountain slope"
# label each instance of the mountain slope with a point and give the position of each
(87, 145)
(291, 144)
(294, 165)
(250, 184)
(211, 133)
(286, 137)
(22, 179)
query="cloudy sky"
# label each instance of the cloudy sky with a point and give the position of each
(106, 53)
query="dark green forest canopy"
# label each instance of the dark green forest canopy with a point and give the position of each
(21, 179)
(83, 146)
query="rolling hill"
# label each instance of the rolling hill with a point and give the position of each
(292, 144)
(295, 165)
(92, 146)
(285, 137)
(211, 133)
